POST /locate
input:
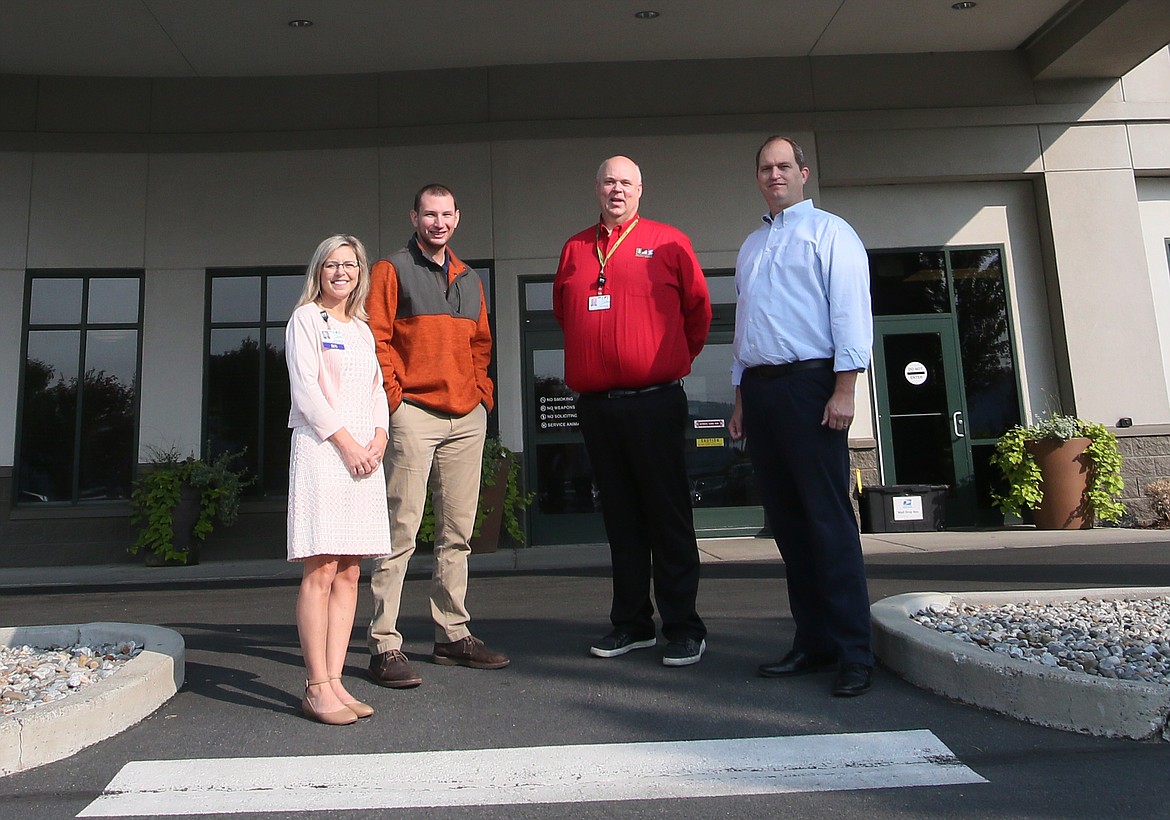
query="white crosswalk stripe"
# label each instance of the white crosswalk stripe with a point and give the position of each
(549, 774)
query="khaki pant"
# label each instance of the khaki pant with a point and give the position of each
(444, 453)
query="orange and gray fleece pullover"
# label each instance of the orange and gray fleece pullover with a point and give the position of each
(431, 332)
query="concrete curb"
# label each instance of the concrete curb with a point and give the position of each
(58, 730)
(1052, 697)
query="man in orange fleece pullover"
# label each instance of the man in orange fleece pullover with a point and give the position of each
(430, 324)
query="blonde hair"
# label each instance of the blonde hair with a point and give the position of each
(355, 305)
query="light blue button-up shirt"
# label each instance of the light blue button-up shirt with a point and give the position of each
(802, 292)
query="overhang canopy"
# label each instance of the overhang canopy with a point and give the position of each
(227, 38)
(1099, 39)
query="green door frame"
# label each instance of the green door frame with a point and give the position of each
(961, 509)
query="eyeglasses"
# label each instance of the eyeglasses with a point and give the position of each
(624, 184)
(348, 267)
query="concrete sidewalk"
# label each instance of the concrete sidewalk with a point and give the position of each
(566, 556)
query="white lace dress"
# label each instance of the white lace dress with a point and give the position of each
(331, 512)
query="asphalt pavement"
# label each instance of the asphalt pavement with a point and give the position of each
(544, 606)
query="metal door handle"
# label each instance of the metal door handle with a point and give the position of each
(956, 423)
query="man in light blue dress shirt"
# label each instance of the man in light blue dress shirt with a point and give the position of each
(803, 332)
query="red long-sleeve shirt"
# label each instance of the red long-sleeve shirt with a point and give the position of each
(659, 310)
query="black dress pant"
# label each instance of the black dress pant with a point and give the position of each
(802, 471)
(636, 448)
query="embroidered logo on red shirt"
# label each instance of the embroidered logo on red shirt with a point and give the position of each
(644, 252)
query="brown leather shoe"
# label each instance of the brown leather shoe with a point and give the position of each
(393, 670)
(468, 652)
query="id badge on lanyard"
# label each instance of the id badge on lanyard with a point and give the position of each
(603, 301)
(332, 339)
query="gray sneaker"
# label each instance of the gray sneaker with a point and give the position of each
(619, 642)
(683, 653)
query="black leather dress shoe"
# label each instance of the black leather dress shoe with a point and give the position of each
(853, 679)
(796, 662)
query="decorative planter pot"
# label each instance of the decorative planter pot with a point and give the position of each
(1064, 478)
(183, 518)
(491, 497)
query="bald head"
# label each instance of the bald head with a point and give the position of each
(619, 163)
(619, 188)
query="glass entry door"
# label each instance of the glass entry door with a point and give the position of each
(567, 509)
(723, 488)
(921, 409)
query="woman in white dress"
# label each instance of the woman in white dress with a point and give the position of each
(337, 491)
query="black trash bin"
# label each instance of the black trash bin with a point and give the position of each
(903, 508)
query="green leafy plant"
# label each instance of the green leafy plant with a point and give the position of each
(1023, 475)
(156, 494)
(515, 501)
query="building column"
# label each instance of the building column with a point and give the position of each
(1101, 301)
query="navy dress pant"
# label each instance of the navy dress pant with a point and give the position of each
(636, 448)
(802, 471)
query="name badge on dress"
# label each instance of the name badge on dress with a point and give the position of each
(332, 339)
(599, 302)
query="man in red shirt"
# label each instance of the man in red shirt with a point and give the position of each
(633, 303)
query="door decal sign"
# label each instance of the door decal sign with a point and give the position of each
(915, 373)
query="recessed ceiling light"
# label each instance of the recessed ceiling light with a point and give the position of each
(646, 15)
(966, 4)
(300, 23)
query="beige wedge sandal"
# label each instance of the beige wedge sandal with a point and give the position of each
(340, 717)
(362, 710)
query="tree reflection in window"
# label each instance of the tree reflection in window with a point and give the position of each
(49, 416)
(906, 283)
(79, 392)
(989, 371)
(247, 380)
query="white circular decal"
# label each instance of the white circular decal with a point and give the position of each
(915, 373)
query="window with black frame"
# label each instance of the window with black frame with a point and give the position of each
(246, 390)
(485, 269)
(246, 380)
(78, 420)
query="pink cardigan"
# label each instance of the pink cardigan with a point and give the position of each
(314, 378)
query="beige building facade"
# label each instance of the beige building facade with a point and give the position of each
(163, 189)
